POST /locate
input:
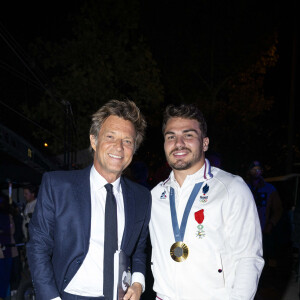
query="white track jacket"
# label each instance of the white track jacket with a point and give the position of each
(223, 235)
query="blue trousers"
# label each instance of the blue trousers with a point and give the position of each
(5, 270)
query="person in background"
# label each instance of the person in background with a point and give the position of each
(269, 209)
(7, 251)
(204, 227)
(16, 269)
(30, 192)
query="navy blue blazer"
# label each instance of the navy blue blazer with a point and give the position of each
(60, 229)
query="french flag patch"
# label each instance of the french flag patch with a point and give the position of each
(163, 195)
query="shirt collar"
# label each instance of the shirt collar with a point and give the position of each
(98, 181)
(202, 174)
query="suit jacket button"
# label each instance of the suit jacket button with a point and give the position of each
(78, 261)
(65, 280)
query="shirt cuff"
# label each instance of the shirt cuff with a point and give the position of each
(138, 277)
(57, 298)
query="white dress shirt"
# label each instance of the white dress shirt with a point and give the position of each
(88, 281)
(29, 209)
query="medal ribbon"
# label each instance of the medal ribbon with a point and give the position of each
(179, 232)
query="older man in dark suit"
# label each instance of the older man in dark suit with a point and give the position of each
(82, 218)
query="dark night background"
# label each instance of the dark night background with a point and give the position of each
(237, 60)
(234, 59)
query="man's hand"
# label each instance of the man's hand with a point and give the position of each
(134, 292)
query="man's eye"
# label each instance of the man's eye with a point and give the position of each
(171, 137)
(128, 142)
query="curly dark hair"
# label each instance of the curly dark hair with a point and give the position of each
(185, 111)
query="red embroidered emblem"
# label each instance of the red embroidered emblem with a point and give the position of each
(199, 216)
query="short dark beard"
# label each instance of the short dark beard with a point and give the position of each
(184, 166)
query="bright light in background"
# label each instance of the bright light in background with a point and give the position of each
(45, 144)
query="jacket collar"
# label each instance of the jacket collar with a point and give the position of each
(82, 193)
(130, 210)
(202, 174)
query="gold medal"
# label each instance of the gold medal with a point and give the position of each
(179, 251)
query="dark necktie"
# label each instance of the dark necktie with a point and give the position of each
(110, 242)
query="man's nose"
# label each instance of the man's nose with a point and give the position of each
(119, 144)
(180, 141)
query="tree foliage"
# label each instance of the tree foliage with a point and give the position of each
(217, 54)
(104, 58)
(214, 53)
(245, 117)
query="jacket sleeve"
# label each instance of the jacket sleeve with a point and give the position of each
(243, 233)
(41, 243)
(139, 255)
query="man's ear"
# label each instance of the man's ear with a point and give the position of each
(93, 142)
(205, 144)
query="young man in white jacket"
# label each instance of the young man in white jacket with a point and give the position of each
(205, 232)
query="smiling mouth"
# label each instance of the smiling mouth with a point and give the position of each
(180, 152)
(115, 156)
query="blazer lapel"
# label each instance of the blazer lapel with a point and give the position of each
(82, 193)
(129, 207)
